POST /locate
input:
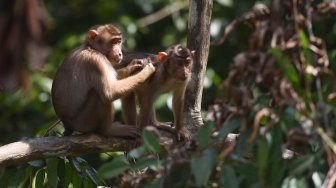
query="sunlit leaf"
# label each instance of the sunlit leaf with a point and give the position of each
(303, 39)
(113, 168)
(38, 180)
(318, 179)
(294, 182)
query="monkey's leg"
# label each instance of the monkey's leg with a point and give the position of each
(129, 109)
(116, 129)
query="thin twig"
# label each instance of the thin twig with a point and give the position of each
(162, 13)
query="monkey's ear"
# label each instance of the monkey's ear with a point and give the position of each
(162, 56)
(91, 34)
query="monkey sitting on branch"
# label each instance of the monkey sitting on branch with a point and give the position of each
(173, 71)
(86, 84)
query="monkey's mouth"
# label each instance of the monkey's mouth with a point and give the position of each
(116, 59)
(183, 76)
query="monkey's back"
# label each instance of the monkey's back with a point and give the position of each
(74, 98)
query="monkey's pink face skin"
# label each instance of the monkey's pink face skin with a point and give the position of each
(181, 68)
(115, 55)
(184, 73)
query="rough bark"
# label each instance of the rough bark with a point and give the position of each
(198, 40)
(40, 148)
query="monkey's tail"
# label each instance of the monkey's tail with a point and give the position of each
(51, 127)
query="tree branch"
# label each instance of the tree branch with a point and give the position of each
(199, 40)
(45, 147)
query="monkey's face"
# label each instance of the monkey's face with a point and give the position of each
(108, 41)
(115, 55)
(180, 67)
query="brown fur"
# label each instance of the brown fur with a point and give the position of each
(172, 75)
(86, 84)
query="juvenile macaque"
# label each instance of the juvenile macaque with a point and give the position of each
(173, 71)
(86, 84)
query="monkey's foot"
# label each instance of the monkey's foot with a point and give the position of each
(121, 131)
(166, 126)
(183, 134)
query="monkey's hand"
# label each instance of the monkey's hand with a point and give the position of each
(137, 65)
(183, 134)
(148, 70)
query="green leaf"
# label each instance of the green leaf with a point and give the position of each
(204, 135)
(294, 182)
(147, 162)
(262, 158)
(286, 66)
(20, 177)
(202, 166)
(38, 180)
(76, 180)
(303, 39)
(69, 172)
(157, 183)
(52, 172)
(5, 178)
(92, 174)
(228, 177)
(151, 141)
(113, 168)
(37, 163)
(301, 164)
(138, 152)
(87, 183)
(228, 127)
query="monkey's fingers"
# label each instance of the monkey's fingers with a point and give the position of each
(165, 127)
(183, 134)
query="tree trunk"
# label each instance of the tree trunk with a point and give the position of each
(198, 40)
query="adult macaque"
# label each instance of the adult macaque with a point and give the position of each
(173, 71)
(86, 84)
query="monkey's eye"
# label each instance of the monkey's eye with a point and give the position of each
(115, 41)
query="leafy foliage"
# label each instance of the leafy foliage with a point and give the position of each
(278, 94)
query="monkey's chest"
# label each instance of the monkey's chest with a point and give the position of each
(158, 88)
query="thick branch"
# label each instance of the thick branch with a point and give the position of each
(198, 40)
(45, 147)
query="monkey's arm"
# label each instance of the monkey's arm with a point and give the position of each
(109, 88)
(178, 110)
(178, 106)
